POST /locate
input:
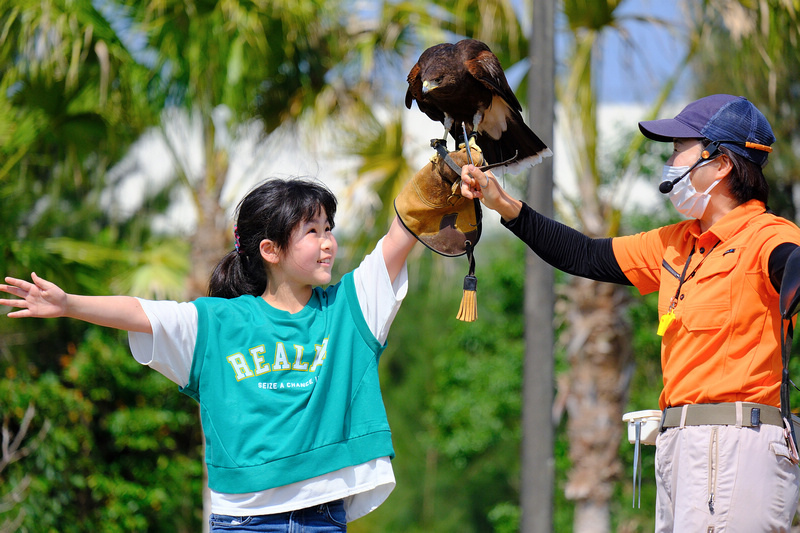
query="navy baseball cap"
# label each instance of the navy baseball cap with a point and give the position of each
(732, 121)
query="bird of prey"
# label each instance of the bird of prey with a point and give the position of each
(463, 86)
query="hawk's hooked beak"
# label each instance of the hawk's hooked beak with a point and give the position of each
(428, 86)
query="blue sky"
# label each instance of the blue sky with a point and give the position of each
(635, 73)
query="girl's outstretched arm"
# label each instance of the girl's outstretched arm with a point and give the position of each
(396, 246)
(43, 299)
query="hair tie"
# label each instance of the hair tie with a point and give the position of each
(236, 238)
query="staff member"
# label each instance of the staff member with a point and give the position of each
(723, 460)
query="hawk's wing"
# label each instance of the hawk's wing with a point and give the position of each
(485, 67)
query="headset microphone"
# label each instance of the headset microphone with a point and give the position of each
(666, 186)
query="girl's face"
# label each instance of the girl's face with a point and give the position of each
(309, 258)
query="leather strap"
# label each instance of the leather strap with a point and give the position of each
(440, 145)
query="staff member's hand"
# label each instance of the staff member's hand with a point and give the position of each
(483, 185)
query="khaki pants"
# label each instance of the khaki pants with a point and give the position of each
(715, 479)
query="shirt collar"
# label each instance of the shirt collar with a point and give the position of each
(729, 224)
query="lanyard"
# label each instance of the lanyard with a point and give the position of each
(667, 319)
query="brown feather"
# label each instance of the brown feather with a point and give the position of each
(465, 81)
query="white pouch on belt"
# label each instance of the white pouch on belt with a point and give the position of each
(649, 422)
(643, 428)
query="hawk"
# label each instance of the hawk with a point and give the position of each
(463, 86)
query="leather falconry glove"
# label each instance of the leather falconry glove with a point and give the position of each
(431, 207)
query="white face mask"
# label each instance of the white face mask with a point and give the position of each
(686, 199)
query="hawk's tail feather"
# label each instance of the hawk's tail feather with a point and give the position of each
(518, 138)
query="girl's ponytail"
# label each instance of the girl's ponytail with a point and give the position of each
(231, 277)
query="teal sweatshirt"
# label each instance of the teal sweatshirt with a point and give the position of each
(286, 397)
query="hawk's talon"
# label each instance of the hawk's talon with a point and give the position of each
(435, 143)
(473, 144)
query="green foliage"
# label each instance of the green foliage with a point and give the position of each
(69, 91)
(453, 394)
(120, 448)
(599, 16)
(271, 59)
(751, 49)
(505, 518)
(118, 441)
(451, 390)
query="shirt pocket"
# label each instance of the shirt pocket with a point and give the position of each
(707, 296)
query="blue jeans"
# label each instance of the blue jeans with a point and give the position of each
(326, 518)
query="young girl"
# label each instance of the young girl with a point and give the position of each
(285, 372)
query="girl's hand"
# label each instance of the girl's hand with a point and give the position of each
(40, 299)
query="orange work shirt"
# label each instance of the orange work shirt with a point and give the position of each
(724, 344)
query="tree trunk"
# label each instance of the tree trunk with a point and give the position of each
(209, 243)
(596, 390)
(538, 465)
(212, 238)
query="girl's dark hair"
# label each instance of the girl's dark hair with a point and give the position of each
(746, 181)
(270, 211)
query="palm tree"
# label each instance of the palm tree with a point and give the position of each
(68, 84)
(596, 338)
(71, 99)
(215, 59)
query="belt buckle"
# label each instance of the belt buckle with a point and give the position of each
(755, 417)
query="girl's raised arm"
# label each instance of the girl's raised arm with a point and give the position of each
(396, 246)
(43, 299)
